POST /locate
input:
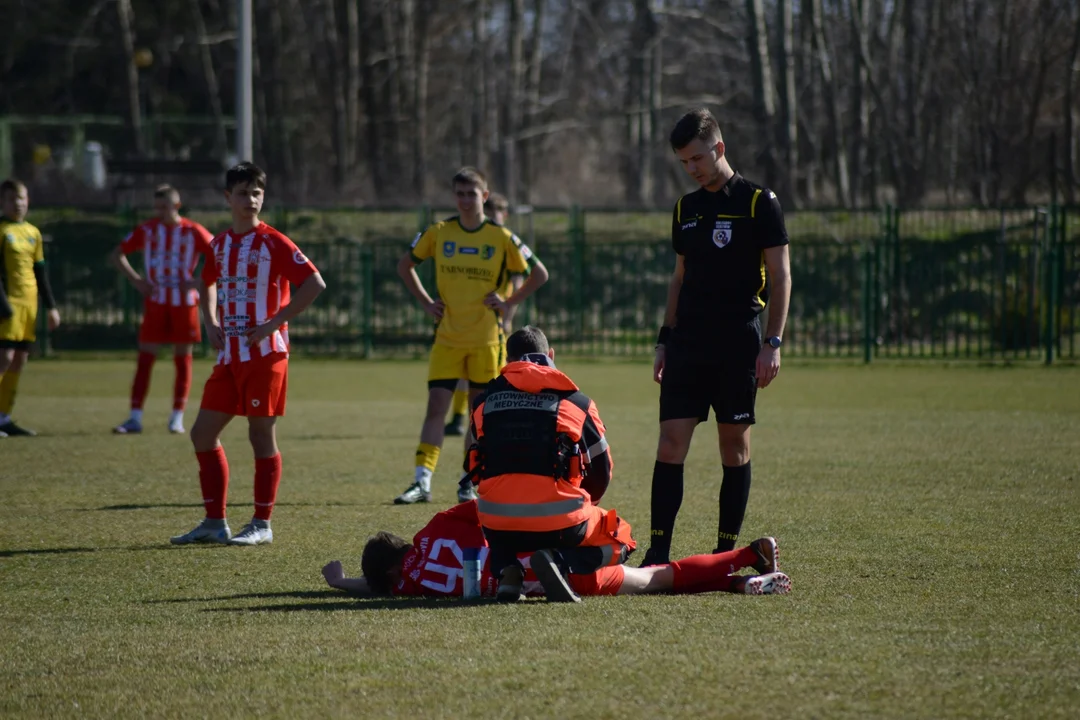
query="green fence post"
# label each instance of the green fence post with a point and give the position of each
(1050, 274)
(868, 307)
(577, 249)
(423, 218)
(367, 269)
(7, 155)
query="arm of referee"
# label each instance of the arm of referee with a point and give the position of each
(600, 467)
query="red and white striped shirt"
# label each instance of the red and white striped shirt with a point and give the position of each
(252, 273)
(170, 254)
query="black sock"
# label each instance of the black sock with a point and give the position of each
(667, 492)
(734, 492)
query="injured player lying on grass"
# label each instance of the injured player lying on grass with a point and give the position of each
(432, 566)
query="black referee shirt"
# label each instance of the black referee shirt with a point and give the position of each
(722, 237)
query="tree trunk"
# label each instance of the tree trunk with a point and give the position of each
(352, 83)
(860, 105)
(280, 112)
(1069, 112)
(420, 97)
(789, 102)
(374, 135)
(339, 124)
(764, 90)
(810, 112)
(531, 148)
(479, 89)
(213, 92)
(126, 18)
(514, 97)
(840, 163)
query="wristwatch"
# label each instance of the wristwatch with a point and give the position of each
(774, 342)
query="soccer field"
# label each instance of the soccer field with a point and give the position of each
(927, 515)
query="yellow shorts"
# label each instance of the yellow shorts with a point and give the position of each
(479, 365)
(19, 328)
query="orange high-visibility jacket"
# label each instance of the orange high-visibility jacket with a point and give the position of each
(537, 435)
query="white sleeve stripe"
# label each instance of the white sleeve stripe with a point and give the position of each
(598, 448)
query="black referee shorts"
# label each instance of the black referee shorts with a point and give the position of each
(717, 372)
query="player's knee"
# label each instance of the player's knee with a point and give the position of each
(735, 448)
(672, 448)
(18, 360)
(203, 439)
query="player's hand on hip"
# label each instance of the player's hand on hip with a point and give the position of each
(658, 363)
(333, 573)
(496, 303)
(259, 333)
(435, 309)
(54, 319)
(144, 286)
(768, 365)
(216, 337)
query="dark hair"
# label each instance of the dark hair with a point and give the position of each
(11, 185)
(382, 553)
(245, 174)
(470, 176)
(529, 339)
(496, 201)
(698, 124)
(168, 192)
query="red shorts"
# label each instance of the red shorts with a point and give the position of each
(255, 388)
(605, 581)
(170, 325)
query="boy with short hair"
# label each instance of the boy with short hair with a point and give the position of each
(22, 282)
(246, 301)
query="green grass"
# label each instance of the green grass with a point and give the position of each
(926, 514)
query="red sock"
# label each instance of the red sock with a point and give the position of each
(142, 379)
(183, 381)
(267, 479)
(214, 481)
(710, 573)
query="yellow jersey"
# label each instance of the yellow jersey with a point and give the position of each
(470, 264)
(21, 248)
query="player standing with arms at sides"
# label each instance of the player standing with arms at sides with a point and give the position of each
(22, 280)
(246, 301)
(709, 352)
(497, 209)
(473, 258)
(171, 247)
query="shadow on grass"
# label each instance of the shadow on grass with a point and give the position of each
(380, 603)
(104, 548)
(156, 506)
(303, 594)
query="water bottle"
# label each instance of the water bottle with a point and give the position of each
(471, 565)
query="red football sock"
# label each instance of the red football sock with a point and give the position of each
(183, 381)
(214, 481)
(141, 385)
(710, 573)
(267, 479)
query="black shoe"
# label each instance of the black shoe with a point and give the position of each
(12, 430)
(511, 583)
(768, 553)
(654, 556)
(556, 588)
(456, 426)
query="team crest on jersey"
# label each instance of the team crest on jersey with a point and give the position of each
(448, 248)
(722, 234)
(488, 252)
(298, 258)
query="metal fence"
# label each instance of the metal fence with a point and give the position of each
(979, 284)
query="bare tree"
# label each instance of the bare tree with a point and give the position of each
(1069, 109)
(125, 18)
(764, 89)
(788, 101)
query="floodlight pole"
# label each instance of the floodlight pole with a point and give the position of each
(243, 81)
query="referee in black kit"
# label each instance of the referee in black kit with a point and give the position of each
(710, 352)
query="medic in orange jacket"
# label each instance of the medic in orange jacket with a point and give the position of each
(541, 460)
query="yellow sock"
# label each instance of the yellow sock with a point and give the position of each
(8, 382)
(460, 405)
(427, 456)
